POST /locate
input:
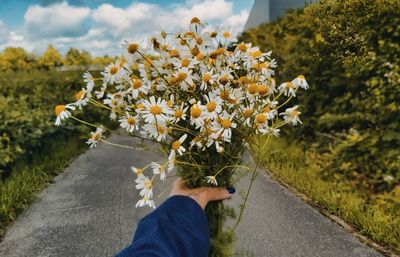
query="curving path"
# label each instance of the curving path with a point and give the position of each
(89, 211)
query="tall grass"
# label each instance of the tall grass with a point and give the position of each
(375, 216)
(30, 176)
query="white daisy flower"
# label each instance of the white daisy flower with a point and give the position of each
(95, 137)
(291, 115)
(159, 169)
(82, 98)
(145, 201)
(129, 122)
(300, 81)
(226, 124)
(197, 115)
(112, 73)
(137, 171)
(89, 80)
(131, 51)
(180, 113)
(155, 111)
(137, 87)
(62, 112)
(177, 145)
(145, 185)
(288, 89)
(212, 180)
(212, 106)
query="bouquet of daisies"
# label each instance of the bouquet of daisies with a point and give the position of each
(204, 99)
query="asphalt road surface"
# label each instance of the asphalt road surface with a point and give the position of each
(90, 211)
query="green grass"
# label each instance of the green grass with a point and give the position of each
(31, 175)
(375, 216)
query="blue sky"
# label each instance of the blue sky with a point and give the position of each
(100, 26)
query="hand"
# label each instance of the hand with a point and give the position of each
(201, 195)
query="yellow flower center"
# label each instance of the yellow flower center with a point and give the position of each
(195, 51)
(174, 53)
(113, 70)
(224, 79)
(289, 85)
(96, 136)
(173, 81)
(79, 95)
(185, 62)
(200, 56)
(182, 76)
(220, 51)
(213, 34)
(262, 89)
(256, 54)
(244, 80)
(131, 121)
(195, 112)
(137, 84)
(59, 109)
(160, 129)
(266, 109)
(155, 110)
(170, 103)
(148, 184)
(247, 113)
(295, 113)
(139, 106)
(199, 41)
(242, 47)
(261, 118)
(195, 20)
(226, 34)
(178, 113)
(252, 88)
(176, 145)
(301, 77)
(226, 123)
(211, 106)
(132, 48)
(224, 95)
(206, 77)
(139, 171)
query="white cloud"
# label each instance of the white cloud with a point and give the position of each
(63, 25)
(56, 20)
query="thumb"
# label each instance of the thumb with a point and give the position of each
(218, 193)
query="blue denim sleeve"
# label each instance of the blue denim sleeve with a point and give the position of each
(177, 228)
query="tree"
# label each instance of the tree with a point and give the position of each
(16, 58)
(76, 58)
(50, 59)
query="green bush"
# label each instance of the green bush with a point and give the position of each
(27, 101)
(349, 51)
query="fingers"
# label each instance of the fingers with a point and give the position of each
(218, 193)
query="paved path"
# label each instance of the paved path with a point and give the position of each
(90, 212)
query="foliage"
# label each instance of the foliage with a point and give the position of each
(50, 59)
(375, 217)
(28, 178)
(350, 49)
(26, 110)
(74, 57)
(16, 58)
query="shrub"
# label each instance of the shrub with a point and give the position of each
(350, 52)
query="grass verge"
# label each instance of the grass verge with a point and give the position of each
(375, 216)
(31, 176)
